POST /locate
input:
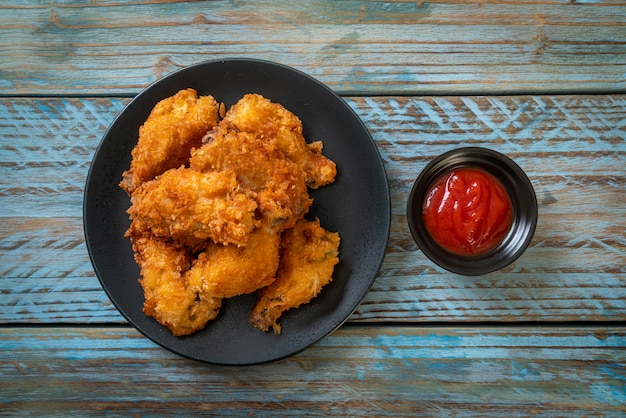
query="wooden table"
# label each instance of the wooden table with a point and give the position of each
(543, 82)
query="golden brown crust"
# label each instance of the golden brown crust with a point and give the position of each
(192, 207)
(308, 257)
(174, 126)
(227, 271)
(275, 182)
(254, 113)
(168, 297)
(215, 217)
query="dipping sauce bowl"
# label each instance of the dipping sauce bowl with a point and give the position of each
(472, 211)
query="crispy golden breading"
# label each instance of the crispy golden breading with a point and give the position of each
(168, 297)
(256, 114)
(275, 182)
(217, 210)
(308, 257)
(191, 207)
(175, 125)
(227, 271)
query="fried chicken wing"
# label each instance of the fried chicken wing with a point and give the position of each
(254, 113)
(227, 271)
(191, 207)
(275, 182)
(175, 125)
(308, 257)
(168, 297)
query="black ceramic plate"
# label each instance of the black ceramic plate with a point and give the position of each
(357, 206)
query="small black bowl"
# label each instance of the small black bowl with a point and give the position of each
(523, 200)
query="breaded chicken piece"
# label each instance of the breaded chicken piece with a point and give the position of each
(227, 271)
(308, 257)
(256, 114)
(217, 210)
(168, 297)
(275, 182)
(191, 207)
(175, 125)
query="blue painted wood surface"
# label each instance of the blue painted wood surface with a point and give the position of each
(572, 147)
(357, 371)
(541, 81)
(356, 47)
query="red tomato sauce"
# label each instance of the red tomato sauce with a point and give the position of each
(468, 211)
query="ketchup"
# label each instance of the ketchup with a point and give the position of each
(467, 211)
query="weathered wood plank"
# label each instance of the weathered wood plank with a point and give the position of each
(357, 371)
(440, 47)
(46, 146)
(572, 141)
(573, 148)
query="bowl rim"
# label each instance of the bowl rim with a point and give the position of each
(520, 190)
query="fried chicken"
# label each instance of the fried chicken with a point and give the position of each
(227, 271)
(191, 207)
(168, 297)
(308, 257)
(275, 182)
(217, 210)
(256, 114)
(175, 125)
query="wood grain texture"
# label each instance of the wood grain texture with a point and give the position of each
(355, 47)
(46, 147)
(357, 371)
(572, 147)
(425, 77)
